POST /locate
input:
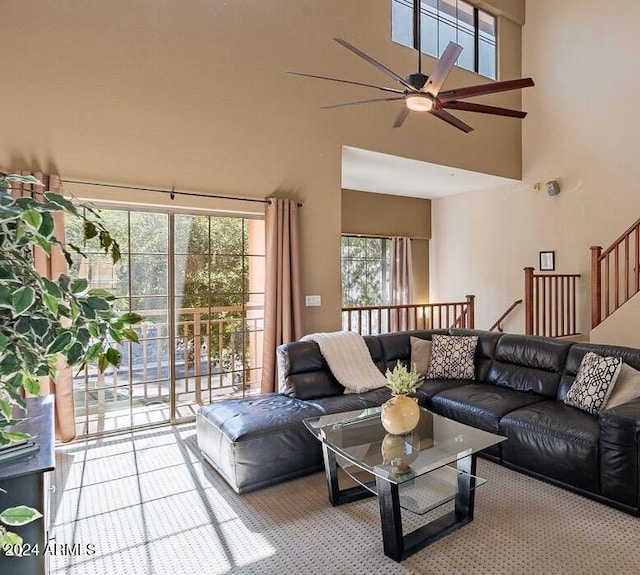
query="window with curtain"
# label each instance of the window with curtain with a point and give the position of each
(366, 271)
(444, 21)
(197, 279)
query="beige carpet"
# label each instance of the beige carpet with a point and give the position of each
(150, 506)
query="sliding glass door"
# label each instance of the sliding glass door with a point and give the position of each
(198, 282)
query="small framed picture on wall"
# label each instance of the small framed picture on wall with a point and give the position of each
(547, 261)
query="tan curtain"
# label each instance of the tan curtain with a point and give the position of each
(51, 267)
(401, 283)
(282, 297)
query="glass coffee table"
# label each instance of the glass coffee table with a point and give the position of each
(418, 472)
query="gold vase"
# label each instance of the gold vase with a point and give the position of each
(400, 414)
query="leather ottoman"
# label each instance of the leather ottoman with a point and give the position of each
(255, 442)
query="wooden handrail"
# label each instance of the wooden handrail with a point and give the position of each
(378, 319)
(620, 239)
(550, 303)
(496, 325)
(620, 280)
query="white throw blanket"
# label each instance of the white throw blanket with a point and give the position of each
(349, 360)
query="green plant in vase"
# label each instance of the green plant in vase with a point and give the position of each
(401, 413)
(401, 381)
(42, 318)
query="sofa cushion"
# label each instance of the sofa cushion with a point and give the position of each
(594, 382)
(431, 387)
(375, 349)
(420, 355)
(338, 403)
(626, 387)
(452, 357)
(304, 373)
(553, 440)
(480, 405)
(352, 401)
(529, 363)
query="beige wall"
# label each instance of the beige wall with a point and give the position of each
(385, 215)
(193, 94)
(583, 129)
(512, 9)
(621, 328)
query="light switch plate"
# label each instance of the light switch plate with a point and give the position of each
(313, 300)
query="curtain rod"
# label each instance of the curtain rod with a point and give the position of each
(381, 237)
(172, 193)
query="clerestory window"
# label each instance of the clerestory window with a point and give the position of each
(444, 21)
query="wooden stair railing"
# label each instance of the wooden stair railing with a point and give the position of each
(467, 318)
(374, 320)
(620, 280)
(550, 304)
(498, 324)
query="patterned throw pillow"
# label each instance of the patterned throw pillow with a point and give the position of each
(452, 357)
(594, 382)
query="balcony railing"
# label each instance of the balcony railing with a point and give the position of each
(215, 351)
(375, 320)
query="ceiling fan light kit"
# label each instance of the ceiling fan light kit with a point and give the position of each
(418, 102)
(422, 93)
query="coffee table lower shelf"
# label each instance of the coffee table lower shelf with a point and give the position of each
(451, 484)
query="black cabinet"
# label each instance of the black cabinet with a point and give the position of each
(26, 482)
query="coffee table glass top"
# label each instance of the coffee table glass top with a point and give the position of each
(359, 438)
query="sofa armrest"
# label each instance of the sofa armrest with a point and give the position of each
(620, 452)
(623, 420)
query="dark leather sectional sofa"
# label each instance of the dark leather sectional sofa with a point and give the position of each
(519, 388)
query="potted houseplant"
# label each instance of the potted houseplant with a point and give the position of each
(42, 318)
(401, 413)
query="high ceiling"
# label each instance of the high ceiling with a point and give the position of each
(367, 171)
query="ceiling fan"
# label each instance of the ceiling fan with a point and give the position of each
(422, 93)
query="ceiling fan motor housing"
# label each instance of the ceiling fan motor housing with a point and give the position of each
(417, 80)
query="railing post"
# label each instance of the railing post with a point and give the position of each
(528, 301)
(596, 286)
(197, 359)
(471, 313)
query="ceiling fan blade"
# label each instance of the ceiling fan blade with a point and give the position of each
(450, 119)
(483, 109)
(375, 63)
(443, 68)
(383, 88)
(481, 89)
(361, 102)
(402, 116)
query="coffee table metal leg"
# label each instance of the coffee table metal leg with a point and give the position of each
(391, 519)
(331, 472)
(466, 495)
(339, 496)
(399, 546)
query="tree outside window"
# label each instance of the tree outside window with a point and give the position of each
(366, 271)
